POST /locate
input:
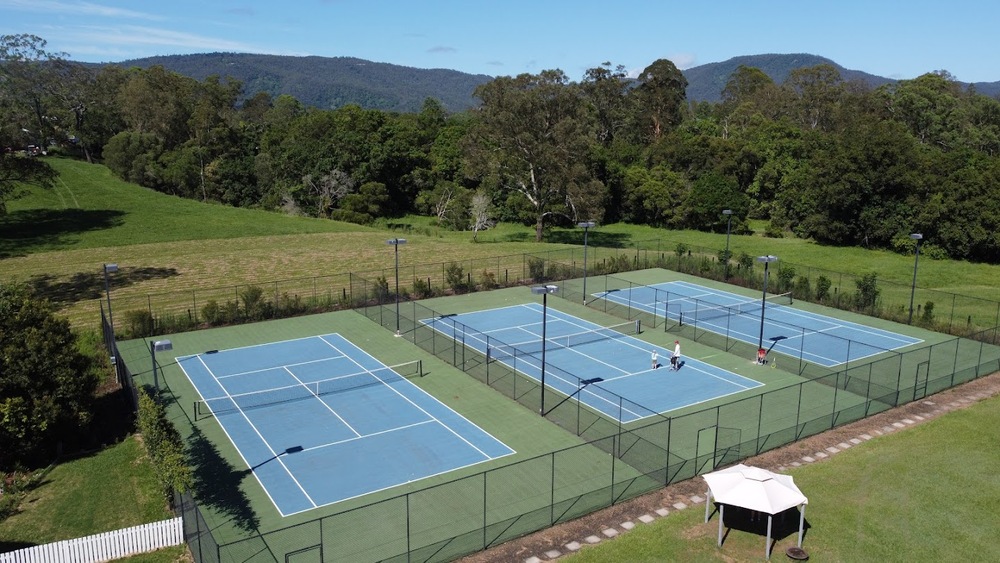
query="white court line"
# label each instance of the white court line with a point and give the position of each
(418, 407)
(363, 436)
(274, 454)
(285, 366)
(324, 403)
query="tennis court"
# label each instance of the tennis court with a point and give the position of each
(577, 351)
(318, 421)
(817, 338)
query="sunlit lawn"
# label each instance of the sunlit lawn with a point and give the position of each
(924, 494)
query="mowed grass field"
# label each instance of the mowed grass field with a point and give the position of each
(60, 238)
(911, 504)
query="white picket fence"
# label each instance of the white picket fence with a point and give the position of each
(103, 547)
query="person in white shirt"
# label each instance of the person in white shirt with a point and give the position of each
(655, 363)
(675, 359)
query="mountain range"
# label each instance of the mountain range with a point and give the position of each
(332, 82)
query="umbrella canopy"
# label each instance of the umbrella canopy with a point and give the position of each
(754, 488)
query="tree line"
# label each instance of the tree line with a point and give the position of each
(815, 156)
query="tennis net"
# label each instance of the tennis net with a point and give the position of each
(307, 390)
(506, 351)
(700, 314)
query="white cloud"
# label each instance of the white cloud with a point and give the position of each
(683, 61)
(145, 36)
(76, 8)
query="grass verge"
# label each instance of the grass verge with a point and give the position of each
(921, 495)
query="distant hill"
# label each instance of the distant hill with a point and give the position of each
(705, 82)
(332, 82)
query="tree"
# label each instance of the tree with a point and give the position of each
(660, 95)
(606, 90)
(818, 93)
(28, 76)
(23, 83)
(479, 209)
(46, 384)
(532, 139)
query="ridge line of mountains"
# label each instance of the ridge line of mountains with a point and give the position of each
(332, 82)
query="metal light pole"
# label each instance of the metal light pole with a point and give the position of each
(586, 227)
(154, 347)
(544, 290)
(763, 300)
(395, 242)
(729, 223)
(917, 237)
(110, 269)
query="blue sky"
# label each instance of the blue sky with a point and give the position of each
(892, 38)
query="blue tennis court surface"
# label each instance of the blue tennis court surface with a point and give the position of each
(319, 421)
(817, 338)
(512, 336)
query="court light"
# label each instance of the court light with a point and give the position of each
(395, 242)
(763, 300)
(544, 290)
(586, 226)
(729, 223)
(917, 237)
(109, 269)
(154, 347)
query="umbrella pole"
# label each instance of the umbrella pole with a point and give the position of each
(722, 514)
(767, 546)
(708, 501)
(802, 522)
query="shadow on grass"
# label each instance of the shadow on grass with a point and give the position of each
(783, 525)
(6, 546)
(217, 483)
(594, 238)
(35, 230)
(86, 286)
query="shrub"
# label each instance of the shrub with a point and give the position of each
(164, 446)
(536, 269)
(785, 277)
(422, 288)
(254, 307)
(455, 277)
(488, 280)
(802, 289)
(823, 285)
(927, 317)
(868, 291)
(210, 312)
(381, 289)
(745, 261)
(140, 323)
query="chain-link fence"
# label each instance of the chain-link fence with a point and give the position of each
(616, 462)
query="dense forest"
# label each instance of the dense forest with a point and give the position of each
(815, 156)
(328, 82)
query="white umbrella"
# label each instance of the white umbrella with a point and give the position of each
(755, 489)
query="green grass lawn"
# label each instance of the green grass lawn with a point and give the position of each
(925, 494)
(108, 490)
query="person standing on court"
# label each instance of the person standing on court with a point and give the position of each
(655, 363)
(675, 359)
